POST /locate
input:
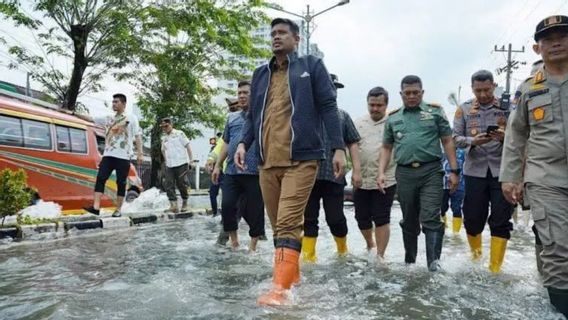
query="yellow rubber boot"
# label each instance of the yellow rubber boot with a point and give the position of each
(456, 224)
(309, 249)
(497, 253)
(445, 221)
(341, 245)
(475, 246)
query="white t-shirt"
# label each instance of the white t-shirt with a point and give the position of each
(371, 133)
(174, 148)
(120, 133)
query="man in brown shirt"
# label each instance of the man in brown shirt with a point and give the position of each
(290, 100)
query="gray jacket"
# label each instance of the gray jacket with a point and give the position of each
(538, 126)
(471, 119)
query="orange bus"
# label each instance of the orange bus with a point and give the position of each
(60, 152)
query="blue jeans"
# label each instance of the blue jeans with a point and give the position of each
(213, 193)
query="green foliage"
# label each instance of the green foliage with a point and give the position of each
(27, 220)
(178, 50)
(87, 34)
(14, 194)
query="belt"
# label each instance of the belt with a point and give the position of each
(417, 164)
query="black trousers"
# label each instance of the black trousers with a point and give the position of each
(332, 195)
(479, 193)
(106, 167)
(233, 187)
(373, 206)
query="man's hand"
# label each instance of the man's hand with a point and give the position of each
(356, 179)
(382, 182)
(513, 192)
(240, 156)
(216, 174)
(339, 163)
(480, 139)
(454, 181)
(497, 135)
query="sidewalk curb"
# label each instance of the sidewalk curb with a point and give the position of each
(63, 227)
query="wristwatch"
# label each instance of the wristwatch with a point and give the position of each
(456, 171)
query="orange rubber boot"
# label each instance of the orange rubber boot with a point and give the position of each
(286, 272)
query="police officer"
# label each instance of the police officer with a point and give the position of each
(415, 131)
(479, 128)
(539, 129)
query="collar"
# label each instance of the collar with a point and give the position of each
(476, 105)
(539, 77)
(421, 107)
(383, 119)
(291, 58)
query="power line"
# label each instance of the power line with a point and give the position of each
(511, 64)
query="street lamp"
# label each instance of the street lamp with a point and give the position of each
(308, 17)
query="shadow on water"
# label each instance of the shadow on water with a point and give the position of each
(174, 271)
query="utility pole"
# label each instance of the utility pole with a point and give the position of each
(511, 64)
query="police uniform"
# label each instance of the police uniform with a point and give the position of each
(415, 134)
(481, 172)
(539, 126)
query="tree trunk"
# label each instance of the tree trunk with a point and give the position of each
(79, 35)
(156, 154)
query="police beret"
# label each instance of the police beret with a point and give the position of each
(552, 22)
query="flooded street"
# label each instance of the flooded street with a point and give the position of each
(175, 271)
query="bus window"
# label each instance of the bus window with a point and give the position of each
(101, 144)
(11, 132)
(63, 139)
(71, 139)
(78, 140)
(36, 134)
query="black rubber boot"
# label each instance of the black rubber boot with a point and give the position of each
(434, 241)
(559, 299)
(410, 247)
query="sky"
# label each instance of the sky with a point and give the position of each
(371, 43)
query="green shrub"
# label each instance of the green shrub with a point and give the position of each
(14, 193)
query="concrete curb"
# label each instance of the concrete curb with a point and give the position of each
(91, 222)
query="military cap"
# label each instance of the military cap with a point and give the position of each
(550, 23)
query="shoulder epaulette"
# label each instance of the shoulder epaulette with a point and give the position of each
(394, 111)
(434, 105)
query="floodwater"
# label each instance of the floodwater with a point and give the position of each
(175, 271)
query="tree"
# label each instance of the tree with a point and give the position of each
(91, 34)
(180, 48)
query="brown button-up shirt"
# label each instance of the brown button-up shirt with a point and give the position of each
(276, 127)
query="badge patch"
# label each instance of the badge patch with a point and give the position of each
(473, 132)
(426, 116)
(538, 113)
(459, 113)
(538, 92)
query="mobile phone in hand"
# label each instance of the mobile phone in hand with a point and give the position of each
(491, 129)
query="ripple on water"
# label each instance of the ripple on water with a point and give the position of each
(175, 271)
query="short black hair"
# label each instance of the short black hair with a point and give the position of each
(120, 97)
(291, 24)
(243, 83)
(219, 134)
(410, 79)
(377, 92)
(482, 76)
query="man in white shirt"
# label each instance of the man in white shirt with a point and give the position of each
(121, 131)
(178, 158)
(371, 205)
